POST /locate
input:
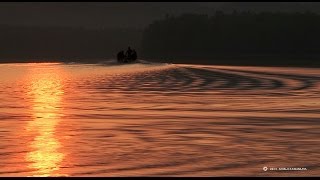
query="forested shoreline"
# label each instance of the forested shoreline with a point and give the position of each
(233, 38)
(230, 37)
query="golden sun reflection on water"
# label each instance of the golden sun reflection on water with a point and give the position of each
(46, 91)
(136, 120)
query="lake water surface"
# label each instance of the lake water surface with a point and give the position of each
(158, 120)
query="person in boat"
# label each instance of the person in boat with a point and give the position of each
(120, 56)
(134, 55)
(129, 54)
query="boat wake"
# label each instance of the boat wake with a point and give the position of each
(114, 62)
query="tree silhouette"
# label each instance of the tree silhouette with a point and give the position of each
(234, 34)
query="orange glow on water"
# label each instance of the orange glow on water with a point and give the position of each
(157, 120)
(46, 90)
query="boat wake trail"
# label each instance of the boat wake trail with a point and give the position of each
(114, 62)
(176, 78)
(209, 120)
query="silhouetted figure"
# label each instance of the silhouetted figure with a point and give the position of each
(121, 56)
(134, 55)
(128, 54)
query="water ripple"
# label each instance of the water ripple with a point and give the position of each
(164, 120)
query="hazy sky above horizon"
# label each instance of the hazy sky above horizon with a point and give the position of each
(124, 14)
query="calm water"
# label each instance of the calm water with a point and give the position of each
(158, 120)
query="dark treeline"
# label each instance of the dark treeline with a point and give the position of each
(235, 38)
(57, 43)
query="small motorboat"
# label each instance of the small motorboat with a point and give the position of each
(122, 58)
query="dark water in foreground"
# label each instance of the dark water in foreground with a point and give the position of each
(158, 120)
